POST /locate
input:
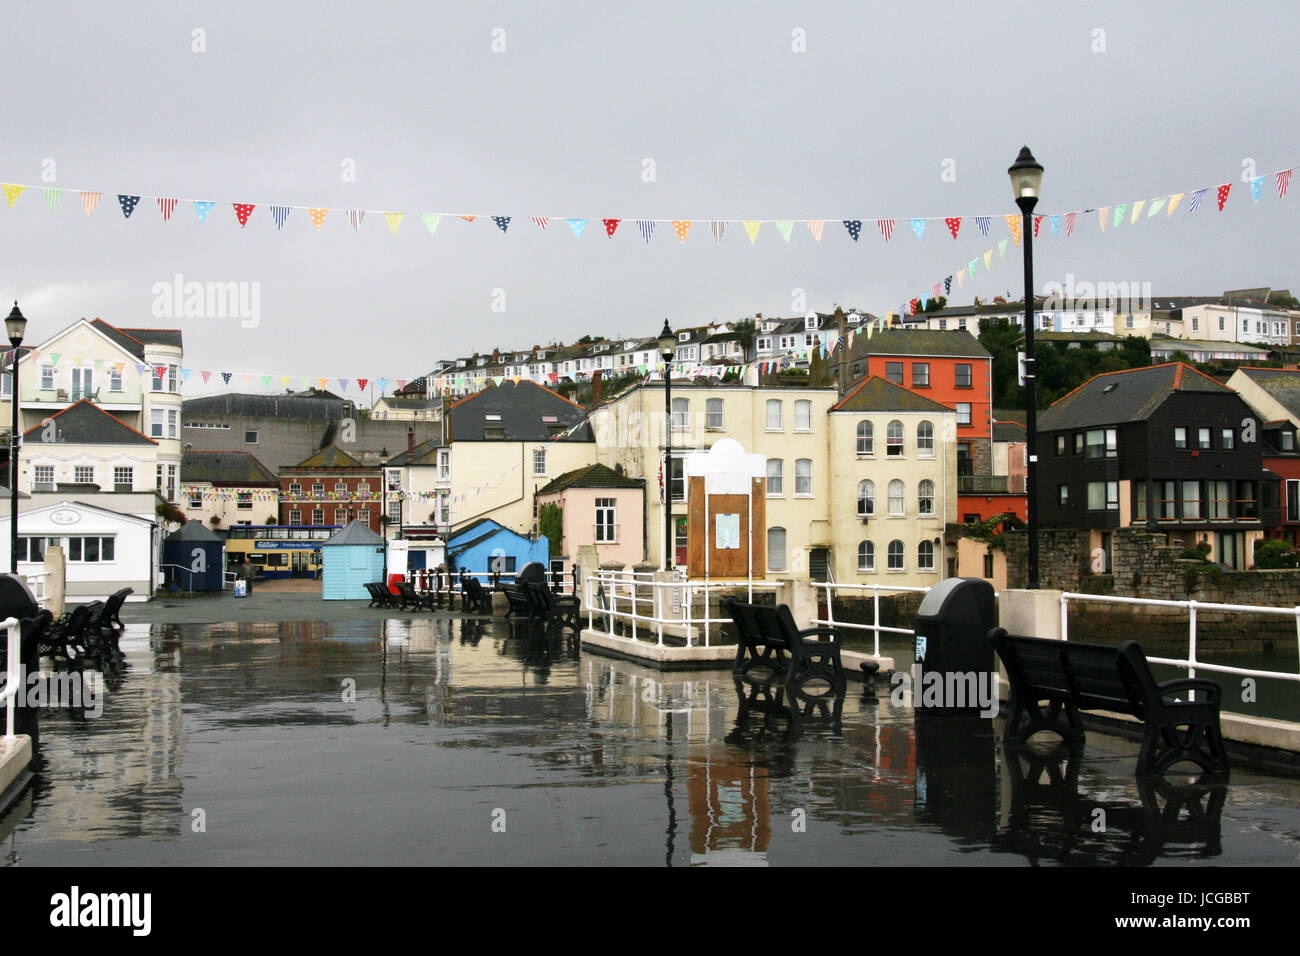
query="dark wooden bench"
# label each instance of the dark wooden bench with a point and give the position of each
(521, 605)
(409, 598)
(71, 635)
(474, 598)
(1073, 676)
(380, 596)
(769, 637)
(561, 609)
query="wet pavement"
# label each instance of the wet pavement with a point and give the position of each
(384, 739)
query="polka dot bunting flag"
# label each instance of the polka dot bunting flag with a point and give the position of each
(318, 217)
(954, 224)
(12, 192)
(242, 211)
(681, 227)
(854, 226)
(1223, 195)
(128, 204)
(610, 226)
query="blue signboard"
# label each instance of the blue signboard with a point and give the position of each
(285, 546)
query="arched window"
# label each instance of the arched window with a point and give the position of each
(866, 497)
(925, 439)
(925, 556)
(866, 556)
(897, 492)
(925, 497)
(894, 439)
(866, 438)
(776, 549)
(896, 555)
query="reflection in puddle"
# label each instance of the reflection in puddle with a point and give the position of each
(403, 742)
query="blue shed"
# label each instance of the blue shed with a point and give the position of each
(484, 546)
(194, 558)
(352, 558)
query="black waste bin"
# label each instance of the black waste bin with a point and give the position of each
(952, 626)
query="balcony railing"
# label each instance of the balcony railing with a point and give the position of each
(982, 484)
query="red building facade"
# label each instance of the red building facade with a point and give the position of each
(332, 488)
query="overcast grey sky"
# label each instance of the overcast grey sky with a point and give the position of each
(285, 98)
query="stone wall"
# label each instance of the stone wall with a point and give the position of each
(1062, 558)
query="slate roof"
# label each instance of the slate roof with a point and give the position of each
(225, 468)
(134, 340)
(1009, 431)
(330, 457)
(876, 394)
(958, 343)
(1114, 398)
(193, 531)
(1283, 384)
(417, 455)
(1047, 336)
(85, 423)
(592, 476)
(1169, 344)
(310, 407)
(521, 405)
(355, 533)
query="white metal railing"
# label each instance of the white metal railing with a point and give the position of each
(13, 675)
(831, 588)
(649, 606)
(1191, 663)
(36, 582)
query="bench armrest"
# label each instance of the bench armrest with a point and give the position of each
(831, 632)
(1211, 690)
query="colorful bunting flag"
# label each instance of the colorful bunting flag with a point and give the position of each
(954, 224)
(1056, 225)
(1104, 214)
(541, 221)
(201, 209)
(52, 196)
(783, 226)
(12, 192)
(128, 204)
(988, 258)
(1038, 221)
(1002, 249)
(280, 214)
(503, 222)
(1283, 180)
(318, 217)
(577, 225)
(90, 200)
(815, 226)
(1223, 194)
(886, 228)
(1137, 208)
(751, 229)
(610, 226)
(1256, 187)
(1014, 223)
(242, 211)
(1156, 206)
(355, 218)
(167, 207)
(854, 226)
(1069, 224)
(681, 227)
(394, 220)
(918, 227)
(983, 223)
(1120, 210)
(1196, 200)
(1174, 200)
(717, 227)
(646, 228)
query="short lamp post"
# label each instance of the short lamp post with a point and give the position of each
(667, 349)
(15, 326)
(1026, 180)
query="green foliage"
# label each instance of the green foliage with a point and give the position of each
(1275, 553)
(934, 305)
(990, 530)
(550, 522)
(1199, 552)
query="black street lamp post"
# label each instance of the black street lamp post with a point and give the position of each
(667, 349)
(1026, 179)
(15, 326)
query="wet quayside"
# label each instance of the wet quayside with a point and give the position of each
(468, 743)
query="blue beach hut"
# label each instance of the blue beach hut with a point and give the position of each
(194, 558)
(352, 558)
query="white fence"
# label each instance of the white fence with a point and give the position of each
(1191, 663)
(647, 607)
(831, 589)
(13, 675)
(36, 582)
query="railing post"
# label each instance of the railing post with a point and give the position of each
(1191, 643)
(875, 615)
(1065, 618)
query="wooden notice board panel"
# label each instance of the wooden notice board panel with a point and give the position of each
(735, 520)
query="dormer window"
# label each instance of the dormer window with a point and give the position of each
(812, 322)
(684, 337)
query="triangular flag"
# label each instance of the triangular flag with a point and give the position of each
(318, 217)
(1056, 225)
(681, 227)
(242, 211)
(430, 221)
(280, 214)
(1002, 249)
(1104, 216)
(322, 382)
(815, 226)
(266, 381)
(961, 275)
(1223, 194)
(1069, 223)
(167, 207)
(185, 374)
(394, 219)
(1038, 221)
(1013, 223)
(947, 285)
(285, 380)
(783, 226)
(201, 209)
(1156, 206)
(854, 226)
(953, 223)
(12, 192)
(128, 204)
(401, 384)
(206, 374)
(918, 227)
(886, 227)
(468, 218)
(751, 229)
(225, 378)
(1119, 213)
(1174, 200)
(1196, 200)
(971, 267)
(52, 196)
(1137, 208)
(1256, 187)
(90, 200)
(983, 223)
(647, 228)
(988, 258)
(717, 228)
(541, 220)
(1283, 181)
(362, 383)
(503, 222)
(610, 226)
(577, 225)
(248, 378)
(356, 217)
(343, 384)
(912, 307)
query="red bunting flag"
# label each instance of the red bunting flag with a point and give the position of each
(610, 226)
(1283, 180)
(362, 382)
(167, 206)
(912, 306)
(1037, 222)
(886, 228)
(954, 223)
(1223, 194)
(242, 212)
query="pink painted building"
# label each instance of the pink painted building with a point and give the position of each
(602, 508)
